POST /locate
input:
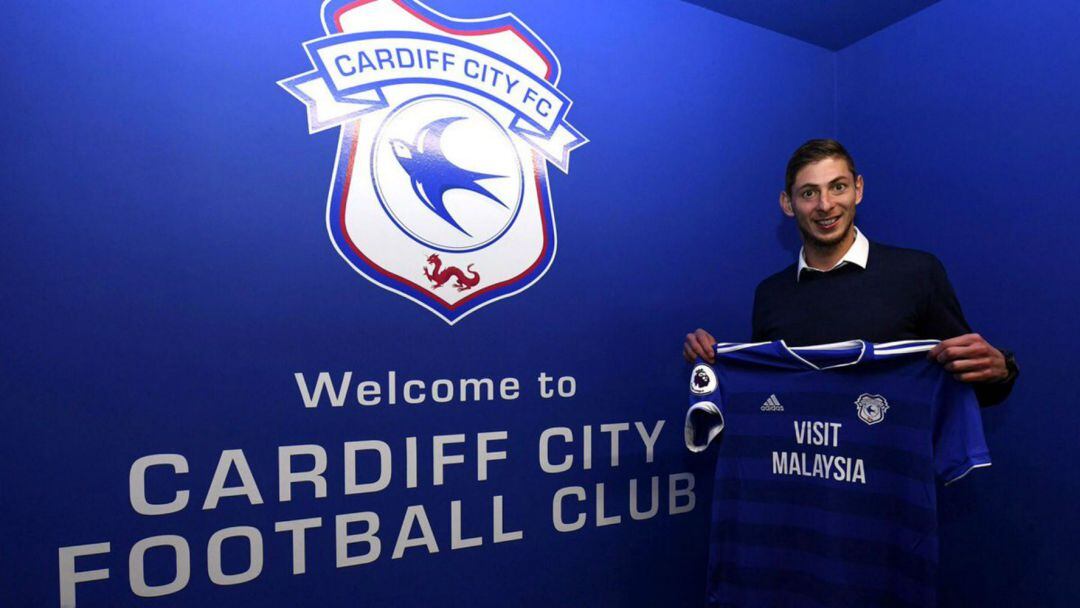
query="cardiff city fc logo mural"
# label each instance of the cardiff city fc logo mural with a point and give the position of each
(447, 126)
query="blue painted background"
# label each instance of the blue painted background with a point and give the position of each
(963, 120)
(167, 270)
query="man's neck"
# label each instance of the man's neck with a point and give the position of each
(824, 257)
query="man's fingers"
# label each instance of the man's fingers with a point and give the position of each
(970, 358)
(969, 365)
(702, 342)
(964, 340)
(952, 353)
(979, 376)
(693, 349)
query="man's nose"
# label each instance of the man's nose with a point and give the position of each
(826, 201)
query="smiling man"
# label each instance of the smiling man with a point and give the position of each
(845, 287)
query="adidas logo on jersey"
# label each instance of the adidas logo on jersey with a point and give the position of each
(772, 404)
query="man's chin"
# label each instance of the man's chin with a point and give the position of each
(825, 241)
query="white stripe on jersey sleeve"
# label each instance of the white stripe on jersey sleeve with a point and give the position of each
(830, 346)
(977, 465)
(728, 347)
(903, 347)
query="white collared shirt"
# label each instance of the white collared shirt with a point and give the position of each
(857, 254)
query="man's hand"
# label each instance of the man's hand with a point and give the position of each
(699, 344)
(970, 358)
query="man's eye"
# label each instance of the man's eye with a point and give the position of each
(839, 187)
(808, 194)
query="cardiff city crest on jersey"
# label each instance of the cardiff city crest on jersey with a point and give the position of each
(447, 127)
(871, 408)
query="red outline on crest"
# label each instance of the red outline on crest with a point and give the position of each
(352, 5)
(424, 290)
(352, 158)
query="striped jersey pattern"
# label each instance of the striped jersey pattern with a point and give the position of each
(828, 459)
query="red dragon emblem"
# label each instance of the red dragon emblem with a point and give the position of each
(439, 275)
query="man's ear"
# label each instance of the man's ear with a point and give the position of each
(858, 189)
(785, 204)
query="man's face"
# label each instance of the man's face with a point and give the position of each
(823, 200)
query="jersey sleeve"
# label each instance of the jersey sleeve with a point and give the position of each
(959, 443)
(704, 418)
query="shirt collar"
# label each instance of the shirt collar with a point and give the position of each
(857, 254)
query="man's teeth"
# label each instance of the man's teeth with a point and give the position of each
(828, 222)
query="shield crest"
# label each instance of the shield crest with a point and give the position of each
(871, 408)
(440, 188)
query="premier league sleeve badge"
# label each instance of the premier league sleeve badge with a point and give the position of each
(447, 127)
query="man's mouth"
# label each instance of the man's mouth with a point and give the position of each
(828, 222)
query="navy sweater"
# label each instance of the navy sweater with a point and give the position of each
(902, 294)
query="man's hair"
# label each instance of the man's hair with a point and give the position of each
(811, 152)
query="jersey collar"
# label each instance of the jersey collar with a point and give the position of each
(836, 346)
(857, 254)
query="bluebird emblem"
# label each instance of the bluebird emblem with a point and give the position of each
(447, 128)
(433, 175)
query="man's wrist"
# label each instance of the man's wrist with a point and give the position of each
(1012, 370)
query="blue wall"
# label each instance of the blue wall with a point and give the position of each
(963, 120)
(168, 270)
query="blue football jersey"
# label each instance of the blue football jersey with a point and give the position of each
(826, 467)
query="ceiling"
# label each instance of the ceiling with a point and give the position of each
(832, 24)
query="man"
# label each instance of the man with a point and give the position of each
(845, 287)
